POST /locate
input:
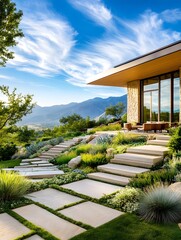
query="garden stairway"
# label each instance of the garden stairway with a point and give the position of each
(40, 167)
(136, 160)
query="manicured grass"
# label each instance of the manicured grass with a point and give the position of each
(9, 163)
(129, 226)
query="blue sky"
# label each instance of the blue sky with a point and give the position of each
(67, 42)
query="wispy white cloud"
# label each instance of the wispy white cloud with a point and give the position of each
(5, 77)
(143, 35)
(95, 10)
(47, 43)
(49, 47)
(171, 15)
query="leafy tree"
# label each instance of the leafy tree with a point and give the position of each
(25, 134)
(9, 29)
(115, 110)
(15, 108)
(70, 119)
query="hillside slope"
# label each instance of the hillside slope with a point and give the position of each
(49, 116)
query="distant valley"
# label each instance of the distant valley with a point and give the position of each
(49, 116)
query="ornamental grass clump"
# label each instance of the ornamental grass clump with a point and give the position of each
(12, 186)
(160, 205)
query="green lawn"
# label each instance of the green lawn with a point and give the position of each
(9, 163)
(129, 227)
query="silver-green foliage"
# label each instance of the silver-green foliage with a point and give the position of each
(12, 186)
(160, 205)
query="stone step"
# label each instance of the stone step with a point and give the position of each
(149, 149)
(41, 174)
(45, 158)
(158, 142)
(57, 147)
(41, 162)
(61, 146)
(123, 170)
(24, 163)
(35, 169)
(49, 154)
(55, 150)
(109, 178)
(35, 165)
(162, 137)
(30, 160)
(138, 160)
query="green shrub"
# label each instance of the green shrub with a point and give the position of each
(83, 148)
(149, 178)
(104, 140)
(178, 166)
(111, 127)
(128, 138)
(65, 158)
(161, 205)
(175, 141)
(98, 148)
(12, 186)
(178, 177)
(93, 160)
(126, 199)
(7, 151)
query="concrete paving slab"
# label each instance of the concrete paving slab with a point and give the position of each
(34, 237)
(91, 213)
(92, 188)
(58, 227)
(41, 174)
(10, 228)
(53, 198)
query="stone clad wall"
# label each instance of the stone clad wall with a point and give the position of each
(133, 99)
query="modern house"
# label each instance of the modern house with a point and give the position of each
(153, 84)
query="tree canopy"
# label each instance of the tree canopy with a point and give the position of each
(70, 119)
(9, 29)
(115, 110)
(16, 106)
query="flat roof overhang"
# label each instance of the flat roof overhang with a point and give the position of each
(163, 60)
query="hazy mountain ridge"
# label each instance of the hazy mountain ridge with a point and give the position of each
(51, 115)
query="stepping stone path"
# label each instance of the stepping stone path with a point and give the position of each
(10, 228)
(91, 213)
(34, 237)
(40, 167)
(136, 160)
(53, 198)
(92, 188)
(55, 225)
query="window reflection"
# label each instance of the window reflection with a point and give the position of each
(176, 102)
(165, 98)
(159, 103)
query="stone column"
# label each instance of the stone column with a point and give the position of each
(133, 101)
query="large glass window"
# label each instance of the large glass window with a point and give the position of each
(161, 98)
(165, 98)
(150, 88)
(176, 102)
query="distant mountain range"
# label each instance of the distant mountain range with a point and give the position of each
(49, 116)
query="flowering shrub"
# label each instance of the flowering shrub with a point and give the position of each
(126, 199)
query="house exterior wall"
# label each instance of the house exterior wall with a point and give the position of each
(133, 101)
